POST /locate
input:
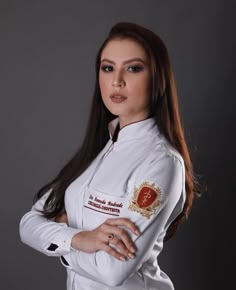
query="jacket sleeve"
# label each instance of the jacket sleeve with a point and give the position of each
(45, 235)
(167, 196)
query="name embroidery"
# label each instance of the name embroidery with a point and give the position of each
(104, 206)
(146, 199)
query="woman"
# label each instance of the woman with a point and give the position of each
(131, 183)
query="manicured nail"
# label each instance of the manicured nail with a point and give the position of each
(131, 255)
(137, 232)
(122, 259)
(132, 249)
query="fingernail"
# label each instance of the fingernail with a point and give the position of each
(131, 255)
(122, 258)
(132, 249)
(137, 232)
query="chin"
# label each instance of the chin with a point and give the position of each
(116, 111)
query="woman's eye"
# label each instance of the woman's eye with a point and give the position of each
(135, 68)
(107, 68)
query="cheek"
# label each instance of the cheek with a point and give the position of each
(103, 84)
(141, 85)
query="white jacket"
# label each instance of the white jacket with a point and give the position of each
(141, 177)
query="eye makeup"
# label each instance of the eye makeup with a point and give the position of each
(131, 68)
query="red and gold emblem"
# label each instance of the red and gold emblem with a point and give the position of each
(146, 199)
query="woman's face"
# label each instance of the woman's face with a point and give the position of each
(125, 71)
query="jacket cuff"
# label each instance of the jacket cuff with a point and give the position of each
(66, 260)
(62, 242)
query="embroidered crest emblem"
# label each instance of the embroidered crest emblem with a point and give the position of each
(146, 199)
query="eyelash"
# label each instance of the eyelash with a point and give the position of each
(138, 68)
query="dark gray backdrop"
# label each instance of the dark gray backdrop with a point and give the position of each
(47, 53)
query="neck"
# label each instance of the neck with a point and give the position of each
(126, 120)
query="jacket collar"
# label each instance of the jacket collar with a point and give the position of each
(137, 130)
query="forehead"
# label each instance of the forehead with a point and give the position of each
(123, 49)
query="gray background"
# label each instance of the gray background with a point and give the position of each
(47, 56)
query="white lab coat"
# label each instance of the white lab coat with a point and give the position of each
(141, 177)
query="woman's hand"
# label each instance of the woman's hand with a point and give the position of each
(120, 246)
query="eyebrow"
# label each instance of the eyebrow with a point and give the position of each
(124, 62)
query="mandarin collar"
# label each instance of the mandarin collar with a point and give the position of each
(136, 130)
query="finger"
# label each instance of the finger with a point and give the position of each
(121, 248)
(111, 251)
(124, 222)
(121, 234)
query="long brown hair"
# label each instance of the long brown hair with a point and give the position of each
(163, 107)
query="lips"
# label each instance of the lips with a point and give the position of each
(117, 96)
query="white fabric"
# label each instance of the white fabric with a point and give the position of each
(106, 190)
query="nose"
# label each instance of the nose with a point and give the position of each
(118, 80)
(115, 84)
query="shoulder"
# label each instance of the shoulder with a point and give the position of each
(164, 168)
(163, 171)
(163, 153)
(163, 163)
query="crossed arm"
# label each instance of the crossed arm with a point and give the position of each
(97, 239)
(88, 252)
